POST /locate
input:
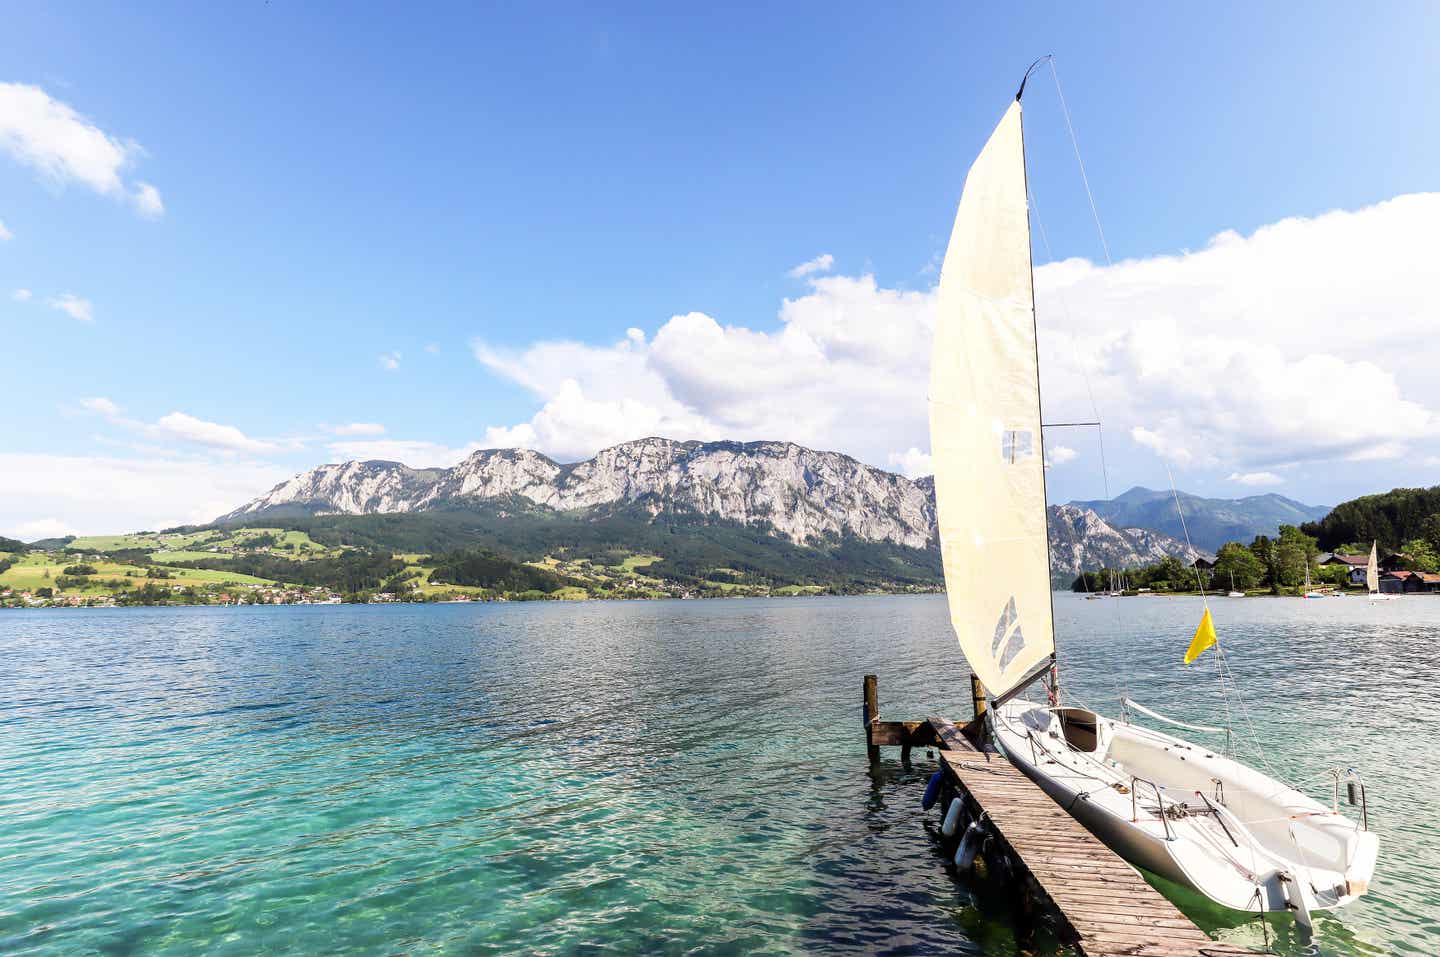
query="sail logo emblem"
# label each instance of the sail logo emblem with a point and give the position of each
(1016, 444)
(1007, 636)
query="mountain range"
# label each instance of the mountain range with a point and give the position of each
(803, 495)
(813, 508)
(1211, 521)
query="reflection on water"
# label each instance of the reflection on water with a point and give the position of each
(665, 777)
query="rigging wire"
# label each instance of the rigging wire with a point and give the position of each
(1075, 142)
(1120, 692)
(1222, 664)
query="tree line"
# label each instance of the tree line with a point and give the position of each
(1278, 564)
(1404, 522)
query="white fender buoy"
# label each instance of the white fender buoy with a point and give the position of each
(952, 819)
(969, 845)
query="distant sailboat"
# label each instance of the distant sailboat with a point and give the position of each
(1309, 592)
(1372, 578)
(1233, 593)
(1187, 812)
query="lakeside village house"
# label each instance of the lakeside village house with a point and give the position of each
(1393, 578)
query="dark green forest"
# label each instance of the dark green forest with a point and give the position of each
(1392, 518)
(349, 572)
(488, 570)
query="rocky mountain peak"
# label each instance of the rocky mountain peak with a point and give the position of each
(803, 494)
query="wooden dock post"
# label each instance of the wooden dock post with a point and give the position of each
(872, 717)
(977, 696)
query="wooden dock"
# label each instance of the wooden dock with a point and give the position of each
(1105, 908)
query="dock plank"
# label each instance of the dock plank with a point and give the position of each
(1109, 908)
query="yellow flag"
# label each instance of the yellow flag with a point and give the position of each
(1204, 638)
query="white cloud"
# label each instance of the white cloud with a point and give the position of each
(1253, 352)
(1246, 356)
(101, 405)
(840, 373)
(74, 307)
(358, 428)
(190, 429)
(187, 429)
(101, 494)
(521, 436)
(64, 147)
(911, 463)
(21, 295)
(419, 455)
(5, 233)
(1256, 478)
(147, 201)
(390, 361)
(432, 347)
(1059, 455)
(39, 528)
(821, 263)
(1218, 401)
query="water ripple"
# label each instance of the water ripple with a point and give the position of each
(667, 777)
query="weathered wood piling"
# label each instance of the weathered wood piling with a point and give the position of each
(1104, 907)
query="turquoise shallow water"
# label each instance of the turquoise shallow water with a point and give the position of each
(658, 777)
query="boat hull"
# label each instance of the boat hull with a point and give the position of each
(1290, 854)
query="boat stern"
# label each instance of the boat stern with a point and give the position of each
(1362, 865)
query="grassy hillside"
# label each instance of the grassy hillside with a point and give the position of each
(510, 550)
(686, 548)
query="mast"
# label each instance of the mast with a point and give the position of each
(1039, 404)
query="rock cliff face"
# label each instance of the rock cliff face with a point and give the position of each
(804, 494)
(1082, 540)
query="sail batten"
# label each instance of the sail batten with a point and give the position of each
(985, 433)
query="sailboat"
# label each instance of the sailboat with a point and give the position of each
(1310, 592)
(1372, 578)
(1233, 593)
(1188, 812)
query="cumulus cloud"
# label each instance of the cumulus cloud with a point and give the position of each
(358, 428)
(420, 455)
(184, 428)
(912, 463)
(213, 434)
(65, 147)
(1237, 354)
(390, 361)
(842, 372)
(821, 263)
(1059, 455)
(147, 201)
(73, 306)
(1241, 357)
(21, 295)
(102, 406)
(1256, 478)
(4, 232)
(102, 494)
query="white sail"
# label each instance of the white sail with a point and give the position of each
(1372, 572)
(985, 424)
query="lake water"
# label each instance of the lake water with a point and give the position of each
(642, 777)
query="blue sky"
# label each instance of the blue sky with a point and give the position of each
(441, 223)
